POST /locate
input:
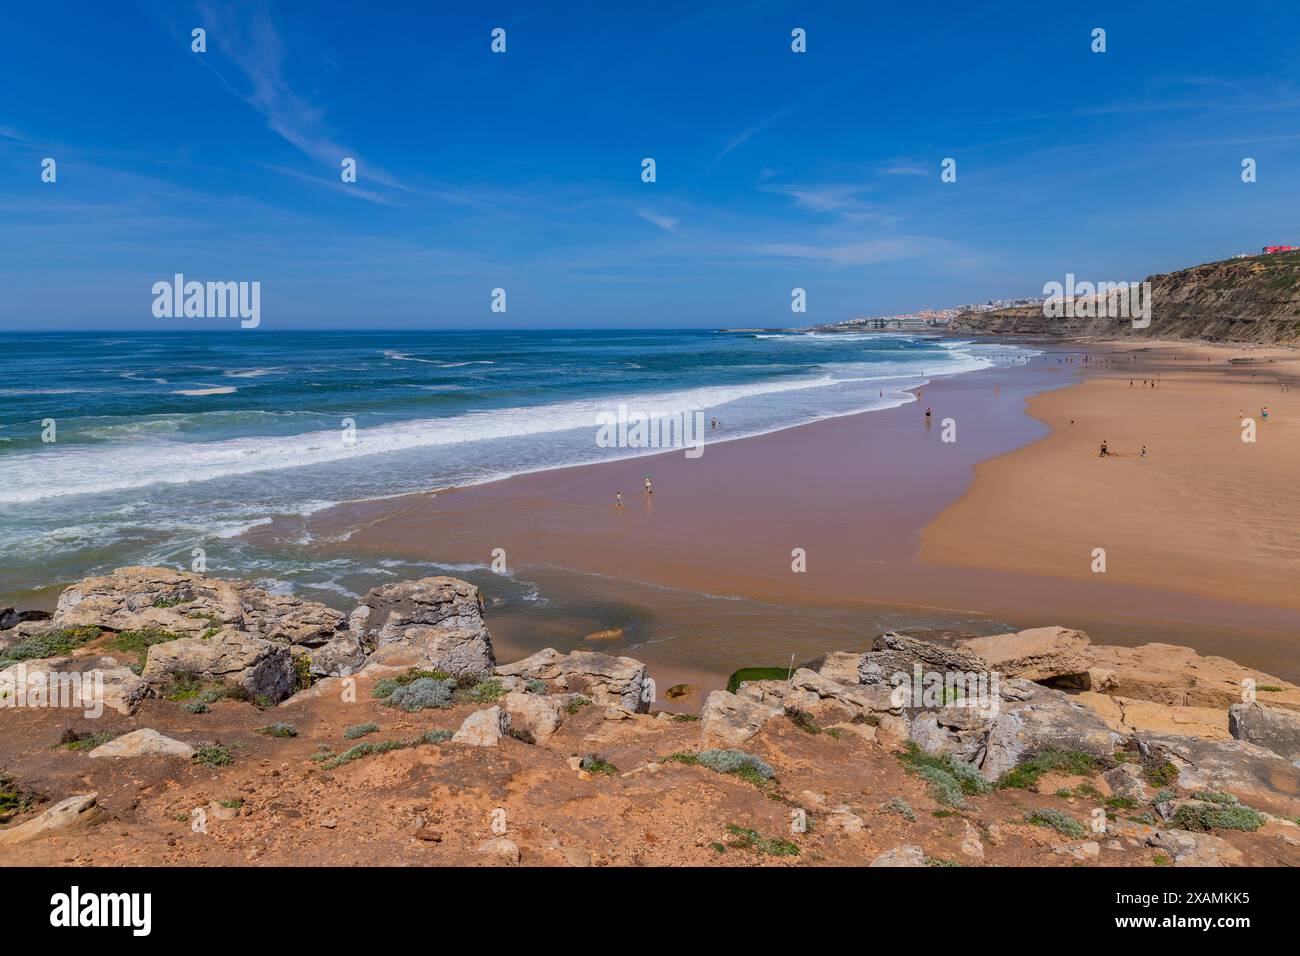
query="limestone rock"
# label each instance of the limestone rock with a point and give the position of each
(143, 743)
(1278, 730)
(1126, 781)
(481, 729)
(1195, 849)
(1126, 715)
(1236, 766)
(893, 653)
(1179, 676)
(734, 719)
(539, 714)
(98, 680)
(435, 623)
(606, 680)
(263, 668)
(855, 698)
(501, 850)
(901, 856)
(192, 604)
(80, 810)
(971, 844)
(839, 666)
(1037, 654)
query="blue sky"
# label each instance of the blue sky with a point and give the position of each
(522, 170)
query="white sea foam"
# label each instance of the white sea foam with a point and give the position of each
(63, 471)
(207, 390)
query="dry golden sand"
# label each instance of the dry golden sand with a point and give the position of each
(1203, 512)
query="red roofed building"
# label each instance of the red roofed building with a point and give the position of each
(1271, 249)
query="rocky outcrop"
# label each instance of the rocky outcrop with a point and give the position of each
(192, 604)
(1029, 718)
(81, 810)
(734, 719)
(1126, 716)
(839, 666)
(483, 728)
(893, 653)
(1037, 654)
(1180, 677)
(262, 668)
(1277, 730)
(1230, 765)
(143, 743)
(434, 623)
(820, 696)
(604, 679)
(538, 714)
(89, 682)
(1251, 299)
(902, 856)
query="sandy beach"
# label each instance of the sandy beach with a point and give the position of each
(998, 526)
(1202, 512)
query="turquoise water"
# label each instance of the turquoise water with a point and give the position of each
(166, 443)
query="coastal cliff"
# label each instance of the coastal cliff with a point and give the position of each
(1255, 299)
(241, 726)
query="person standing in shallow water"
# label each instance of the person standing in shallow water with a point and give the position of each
(1104, 451)
(648, 489)
(618, 499)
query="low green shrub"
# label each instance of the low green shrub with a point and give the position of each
(746, 838)
(1059, 821)
(277, 730)
(212, 755)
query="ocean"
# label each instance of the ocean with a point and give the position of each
(167, 443)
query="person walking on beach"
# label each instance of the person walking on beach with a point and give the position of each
(648, 489)
(1104, 451)
(927, 415)
(1144, 451)
(618, 499)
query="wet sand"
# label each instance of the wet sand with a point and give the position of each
(889, 520)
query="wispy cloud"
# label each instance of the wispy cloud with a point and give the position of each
(868, 252)
(905, 169)
(842, 200)
(743, 137)
(666, 223)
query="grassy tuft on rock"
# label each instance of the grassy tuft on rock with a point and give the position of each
(277, 730)
(139, 640)
(424, 693)
(756, 673)
(950, 779)
(745, 838)
(575, 704)
(1074, 763)
(72, 740)
(736, 763)
(1059, 821)
(595, 764)
(50, 644)
(385, 687)
(898, 807)
(1203, 817)
(212, 756)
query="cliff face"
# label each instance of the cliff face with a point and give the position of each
(1237, 300)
